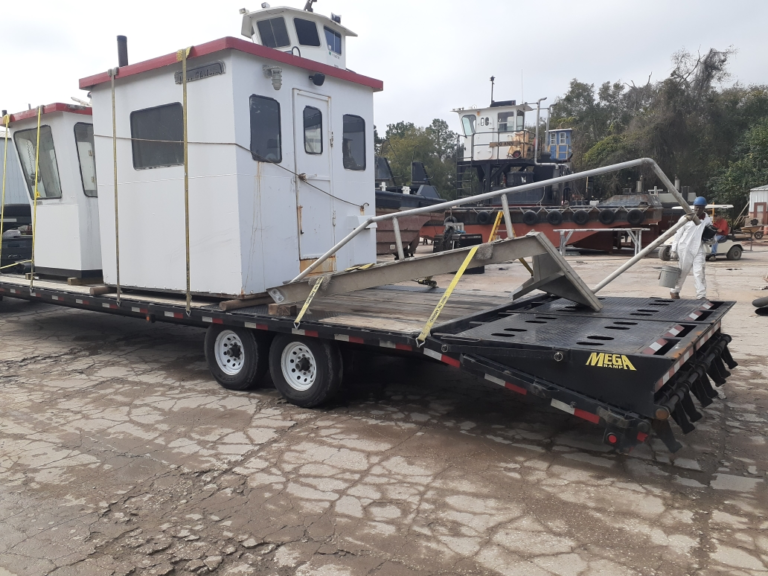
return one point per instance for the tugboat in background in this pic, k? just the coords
(498, 153)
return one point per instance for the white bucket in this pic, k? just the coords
(669, 276)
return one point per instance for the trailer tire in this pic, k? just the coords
(665, 253)
(734, 253)
(580, 217)
(237, 358)
(530, 218)
(306, 371)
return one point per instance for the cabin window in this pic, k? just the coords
(48, 183)
(87, 157)
(265, 130)
(333, 39)
(507, 122)
(306, 30)
(273, 32)
(313, 130)
(468, 122)
(353, 144)
(553, 139)
(158, 135)
(562, 137)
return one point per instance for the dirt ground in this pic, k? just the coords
(119, 454)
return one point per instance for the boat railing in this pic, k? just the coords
(507, 219)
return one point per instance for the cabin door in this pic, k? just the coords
(314, 185)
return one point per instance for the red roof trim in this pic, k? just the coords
(230, 43)
(50, 109)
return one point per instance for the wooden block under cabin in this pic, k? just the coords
(282, 309)
(103, 289)
(84, 281)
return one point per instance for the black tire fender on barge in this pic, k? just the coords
(580, 217)
(530, 218)
(555, 217)
(635, 217)
(607, 216)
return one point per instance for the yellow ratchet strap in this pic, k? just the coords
(37, 195)
(444, 299)
(304, 308)
(6, 120)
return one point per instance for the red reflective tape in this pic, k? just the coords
(594, 418)
(514, 388)
(641, 436)
(450, 361)
(311, 334)
(356, 340)
(217, 321)
(403, 347)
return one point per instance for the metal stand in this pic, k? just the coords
(635, 233)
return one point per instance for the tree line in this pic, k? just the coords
(709, 133)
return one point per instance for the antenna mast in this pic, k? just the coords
(308, 5)
(493, 79)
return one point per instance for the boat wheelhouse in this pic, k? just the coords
(67, 219)
(280, 155)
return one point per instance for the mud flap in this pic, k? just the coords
(664, 431)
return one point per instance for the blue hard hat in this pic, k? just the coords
(700, 201)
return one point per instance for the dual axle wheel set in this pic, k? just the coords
(306, 371)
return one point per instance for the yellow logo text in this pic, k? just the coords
(609, 361)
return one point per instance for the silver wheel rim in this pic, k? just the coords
(229, 353)
(299, 366)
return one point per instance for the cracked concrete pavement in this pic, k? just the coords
(119, 454)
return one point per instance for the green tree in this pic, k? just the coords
(434, 145)
(750, 169)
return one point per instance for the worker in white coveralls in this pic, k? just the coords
(691, 250)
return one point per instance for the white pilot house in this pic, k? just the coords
(280, 156)
(67, 216)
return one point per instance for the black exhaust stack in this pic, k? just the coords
(122, 51)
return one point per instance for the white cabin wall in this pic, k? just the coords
(267, 192)
(353, 188)
(152, 230)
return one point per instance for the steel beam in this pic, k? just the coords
(534, 244)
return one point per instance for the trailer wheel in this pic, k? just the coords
(734, 253)
(306, 371)
(237, 358)
(665, 253)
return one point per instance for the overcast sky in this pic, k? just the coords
(432, 55)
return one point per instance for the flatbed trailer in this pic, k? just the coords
(629, 367)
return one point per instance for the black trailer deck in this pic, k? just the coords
(629, 367)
